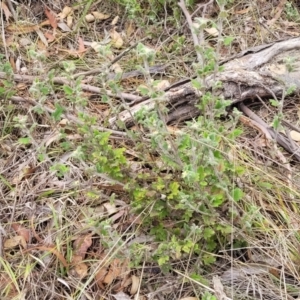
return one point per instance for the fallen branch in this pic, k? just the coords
(63, 80)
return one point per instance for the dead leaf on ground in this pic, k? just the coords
(67, 10)
(6, 11)
(81, 270)
(64, 27)
(121, 296)
(114, 271)
(100, 16)
(81, 47)
(135, 284)
(81, 245)
(15, 242)
(42, 37)
(22, 231)
(49, 36)
(70, 21)
(51, 17)
(295, 135)
(89, 18)
(115, 20)
(100, 275)
(19, 29)
(212, 31)
(117, 41)
(111, 208)
(116, 68)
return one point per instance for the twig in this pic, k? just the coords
(198, 283)
(85, 87)
(17, 99)
(284, 122)
(261, 128)
(279, 138)
(3, 33)
(196, 41)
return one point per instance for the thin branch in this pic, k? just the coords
(85, 87)
(17, 99)
(196, 41)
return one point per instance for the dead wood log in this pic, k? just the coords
(263, 71)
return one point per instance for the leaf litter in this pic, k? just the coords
(63, 233)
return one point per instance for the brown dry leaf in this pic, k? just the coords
(24, 41)
(41, 46)
(89, 18)
(295, 135)
(12, 63)
(64, 27)
(42, 37)
(111, 208)
(82, 244)
(243, 11)
(116, 68)
(114, 271)
(115, 20)
(117, 215)
(117, 41)
(49, 36)
(22, 231)
(135, 284)
(100, 275)
(18, 29)
(81, 270)
(14, 242)
(130, 28)
(65, 12)
(51, 17)
(70, 21)
(6, 11)
(162, 85)
(100, 16)
(212, 31)
(21, 86)
(81, 47)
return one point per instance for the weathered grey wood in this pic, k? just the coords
(263, 71)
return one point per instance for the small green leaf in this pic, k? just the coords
(228, 40)
(68, 90)
(24, 141)
(208, 232)
(59, 110)
(237, 194)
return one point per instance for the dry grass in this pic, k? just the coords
(75, 236)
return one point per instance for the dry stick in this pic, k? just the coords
(3, 34)
(181, 4)
(63, 80)
(256, 125)
(280, 139)
(17, 99)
